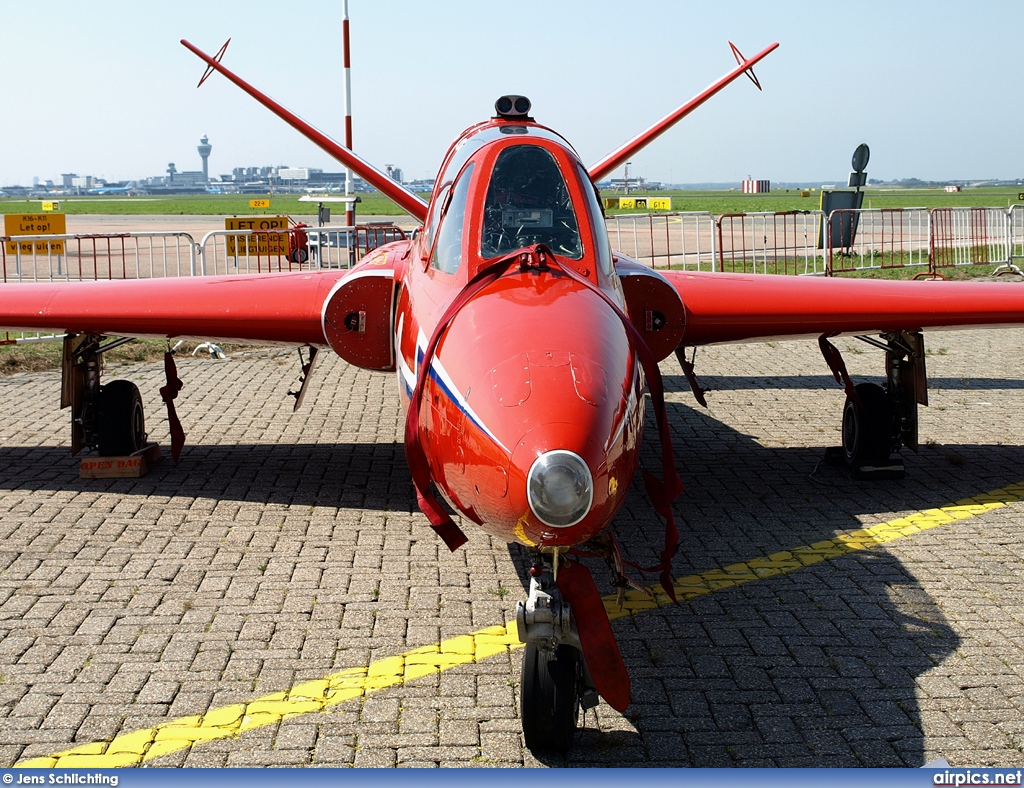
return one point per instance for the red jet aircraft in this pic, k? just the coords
(522, 345)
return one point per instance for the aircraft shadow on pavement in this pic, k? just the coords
(813, 668)
(346, 475)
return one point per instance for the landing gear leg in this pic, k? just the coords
(878, 420)
(555, 682)
(108, 417)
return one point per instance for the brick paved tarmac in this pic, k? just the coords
(286, 547)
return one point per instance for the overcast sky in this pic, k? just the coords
(104, 88)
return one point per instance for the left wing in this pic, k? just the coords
(721, 307)
(283, 308)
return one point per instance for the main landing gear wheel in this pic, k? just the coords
(122, 424)
(550, 696)
(867, 430)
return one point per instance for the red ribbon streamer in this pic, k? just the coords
(168, 394)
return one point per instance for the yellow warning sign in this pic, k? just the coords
(259, 203)
(34, 224)
(51, 205)
(633, 203)
(262, 242)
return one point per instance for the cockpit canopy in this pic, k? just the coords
(507, 185)
(528, 203)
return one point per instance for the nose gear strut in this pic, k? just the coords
(555, 683)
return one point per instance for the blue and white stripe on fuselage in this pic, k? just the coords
(442, 380)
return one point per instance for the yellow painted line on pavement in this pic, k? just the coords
(693, 586)
(132, 749)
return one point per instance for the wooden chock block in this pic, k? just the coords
(132, 466)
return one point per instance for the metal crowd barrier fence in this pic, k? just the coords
(969, 236)
(292, 249)
(782, 242)
(370, 236)
(26, 338)
(255, 251)
(49, 258)
(1016, 227)
(680, 240)
(877, 238)
(146, 255)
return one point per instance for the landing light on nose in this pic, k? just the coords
(560, 488)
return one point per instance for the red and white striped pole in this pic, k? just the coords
(350, 211)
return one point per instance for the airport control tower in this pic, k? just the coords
(204, 150)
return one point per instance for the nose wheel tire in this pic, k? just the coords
(550, 697)
(867, 430)
(121, 424)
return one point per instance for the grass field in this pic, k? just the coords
(717, 202)
(40, 356)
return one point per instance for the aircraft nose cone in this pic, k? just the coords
(564, 482)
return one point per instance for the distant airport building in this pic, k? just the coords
(243, 174)
(422, 185)
(293, 173)
(751, 186)
(636, 184)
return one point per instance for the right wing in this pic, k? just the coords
(722, 307)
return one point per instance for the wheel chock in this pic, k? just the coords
(131, 466)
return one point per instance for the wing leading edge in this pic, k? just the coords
(724, 307)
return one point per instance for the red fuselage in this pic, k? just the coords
(505, 387)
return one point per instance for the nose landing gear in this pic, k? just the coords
(555, 684)
(551, 696)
